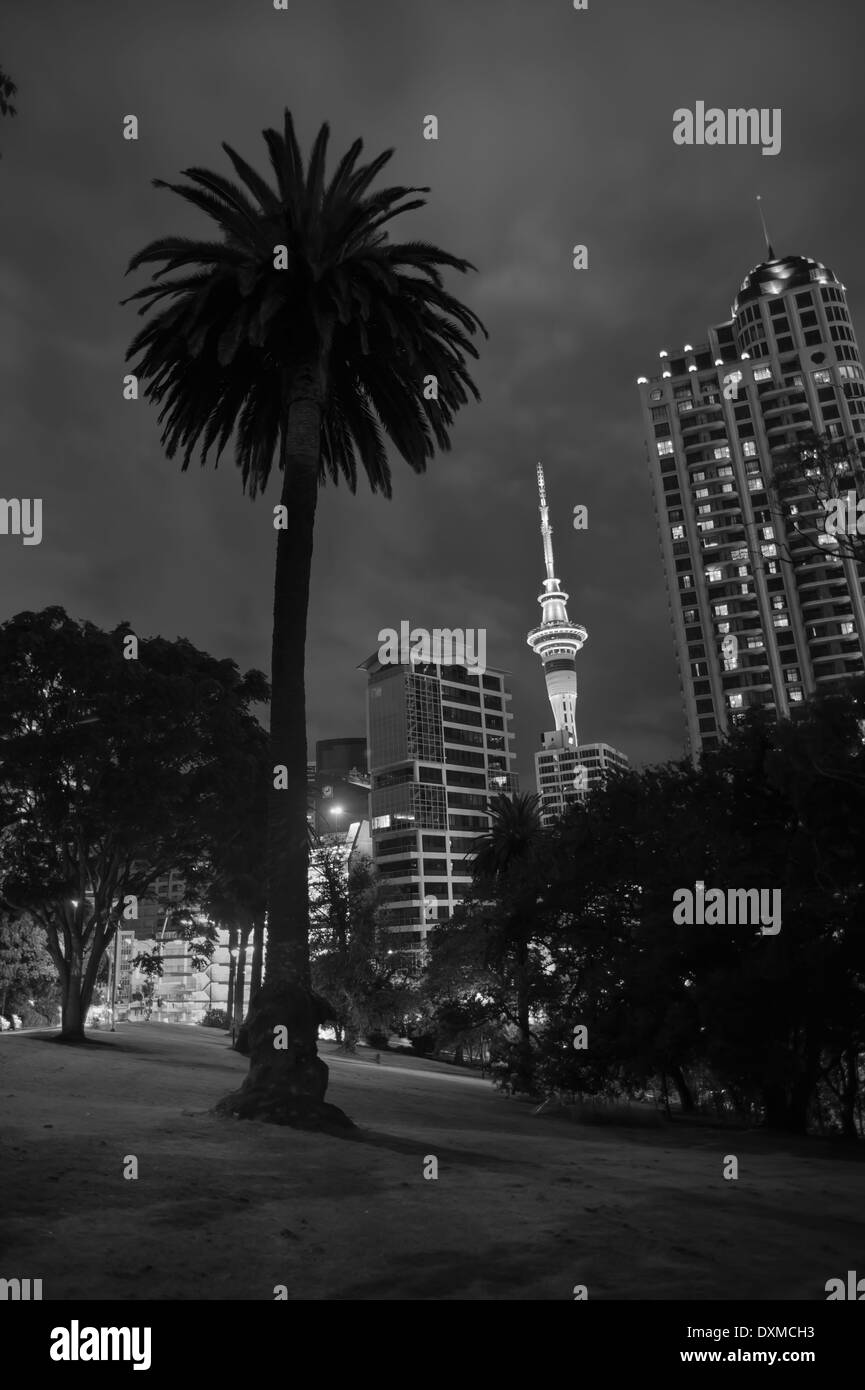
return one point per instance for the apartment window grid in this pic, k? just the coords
(429, 806)
(424, 718)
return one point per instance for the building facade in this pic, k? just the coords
(566, 772)
(439, 746)
(760, 615)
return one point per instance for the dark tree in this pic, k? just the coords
(112, 771)
(504, 863)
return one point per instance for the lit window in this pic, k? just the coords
(825, 540)
(726, 487)
(714, 575)
(781, 620)
(755, 644)
(725, 472)
(791, 674)
(704, 509)
(706, 525)
(847, 629)
(739, 554)
(665, 446)
(736, 700)
(698, 477)
(749, 448)
(762, 374)
(822, 378)
(721, 610)
(755, 484)
(723, 628)
(677, 532)
(723, 452)
(742, 571)
(768, 533)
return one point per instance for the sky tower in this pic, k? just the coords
(565, 771)
(557, 640)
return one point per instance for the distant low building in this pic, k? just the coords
(567, 772)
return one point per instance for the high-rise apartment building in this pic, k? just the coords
(761, 615)
(439, 747)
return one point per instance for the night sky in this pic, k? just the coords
(555, 128)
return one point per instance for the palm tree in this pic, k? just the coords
(505, 860)
(305, 333)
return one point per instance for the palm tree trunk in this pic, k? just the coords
(232, 974)
(240, 981)
(287, 1079)
(257, 957)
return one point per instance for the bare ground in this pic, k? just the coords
(524, 1207)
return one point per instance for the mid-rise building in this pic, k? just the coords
(566, 772)
(760, 615)
(440, 747)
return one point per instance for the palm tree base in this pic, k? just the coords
(287, 1079)
(274, 1107)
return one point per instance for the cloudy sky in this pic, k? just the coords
(555, 128)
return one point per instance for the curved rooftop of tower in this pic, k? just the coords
(779, 274)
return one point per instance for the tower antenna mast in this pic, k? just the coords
(769, 247)
(546, 528)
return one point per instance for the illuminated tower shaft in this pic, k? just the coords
(557, 640)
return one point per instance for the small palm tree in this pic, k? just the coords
(512, 838)
(506, 859)
(308, 335)
(7, 90)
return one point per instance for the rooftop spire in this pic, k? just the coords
(546, 528)
(769, 248)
